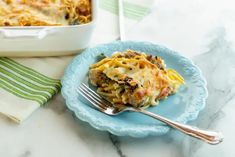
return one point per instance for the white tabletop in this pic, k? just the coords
(203, 30)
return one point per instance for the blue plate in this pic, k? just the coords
(184, 106)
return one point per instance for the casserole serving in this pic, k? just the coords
(45, 27)
(133, 78)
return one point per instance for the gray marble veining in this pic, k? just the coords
(117, 144)
(218, 66)
(27, 153)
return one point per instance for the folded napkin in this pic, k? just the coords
(28, 83)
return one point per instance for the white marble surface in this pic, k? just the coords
(203, 30)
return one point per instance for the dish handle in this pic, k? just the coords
(28, 33)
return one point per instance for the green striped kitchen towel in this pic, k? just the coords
(28, 83)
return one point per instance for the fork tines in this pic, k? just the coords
(91, 96)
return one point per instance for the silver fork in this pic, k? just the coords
(101, 104)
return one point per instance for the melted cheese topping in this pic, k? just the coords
(44, 12)
(133, 78)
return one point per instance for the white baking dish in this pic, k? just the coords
(48, 40)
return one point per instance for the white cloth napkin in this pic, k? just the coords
(28, 83)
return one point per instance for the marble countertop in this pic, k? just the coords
(203, 30)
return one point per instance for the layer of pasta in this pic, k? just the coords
(134, 78)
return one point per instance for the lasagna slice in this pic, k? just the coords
(134, 78)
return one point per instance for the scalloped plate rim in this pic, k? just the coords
(161, 130)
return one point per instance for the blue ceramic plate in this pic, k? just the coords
(184, 106)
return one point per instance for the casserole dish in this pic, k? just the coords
(46, 40)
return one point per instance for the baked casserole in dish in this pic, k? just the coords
(44, 12)
(45, 27)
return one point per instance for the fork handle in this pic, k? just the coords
(210, 137)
